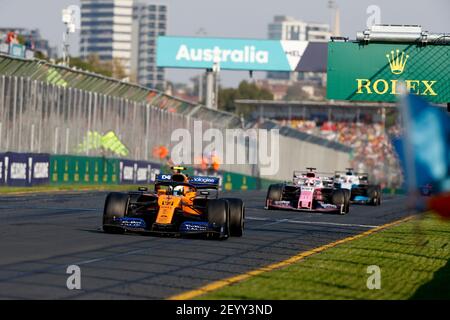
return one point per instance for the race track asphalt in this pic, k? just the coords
(42, 234)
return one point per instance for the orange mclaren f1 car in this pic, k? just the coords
(178, 205)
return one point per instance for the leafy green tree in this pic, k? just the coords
(295, 93)
(112, 68)
(226, 99)
(245, 90)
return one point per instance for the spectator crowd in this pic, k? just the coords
(372, 150)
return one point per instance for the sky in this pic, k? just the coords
(237, 19)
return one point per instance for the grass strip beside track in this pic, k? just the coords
(414, 258)
(62, 188)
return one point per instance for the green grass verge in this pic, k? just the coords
(413, 257)
(73, 187)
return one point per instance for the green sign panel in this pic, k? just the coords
(373, 72)
(83, 170)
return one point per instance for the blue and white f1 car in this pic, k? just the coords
(358, 184)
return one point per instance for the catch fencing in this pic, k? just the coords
(51, 109)
(40, 117)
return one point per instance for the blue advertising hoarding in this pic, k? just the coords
(40, 168)
(16, 169)
(138, 172)
(230, 54)
(2, 169)
(24, 169)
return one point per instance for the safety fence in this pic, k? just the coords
(60, 76)
(39, 117)
(55, 110)
(33, 169)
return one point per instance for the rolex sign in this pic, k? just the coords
(373, 72)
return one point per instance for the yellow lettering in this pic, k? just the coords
(428, 88)
(394, 86)
(411, 86)
(382, 86)
(376, 89)
(361, 86)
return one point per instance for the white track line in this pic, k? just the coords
(311, 222)
(270, 221)
(49, 208)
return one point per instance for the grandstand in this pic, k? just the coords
(364, 127)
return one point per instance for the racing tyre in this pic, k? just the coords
(274, 193)
(218, 217)
(237, 215)
(116, 205)
(374, 194)
(339, 198)
(347, 194)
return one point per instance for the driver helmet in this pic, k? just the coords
(178, 191)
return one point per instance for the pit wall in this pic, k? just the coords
(32, 169)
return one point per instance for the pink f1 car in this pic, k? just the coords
(309, 191)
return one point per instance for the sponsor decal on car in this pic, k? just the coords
(282, 203)
(324, 205)
(131, 222)
(361, 198)
(164, 177)
(204, 180)
(194, 226)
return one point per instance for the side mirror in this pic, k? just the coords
(143, 189)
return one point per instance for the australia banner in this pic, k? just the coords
(241, 54)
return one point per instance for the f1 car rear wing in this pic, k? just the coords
(326, 178)
(360, 175)
(163, 178)
(204, 182)
(311, 174)
(196, 181)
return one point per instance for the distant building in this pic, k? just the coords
(106, 30)
(278, 89)
(32, 40)
(288, 28)
(149, 22)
